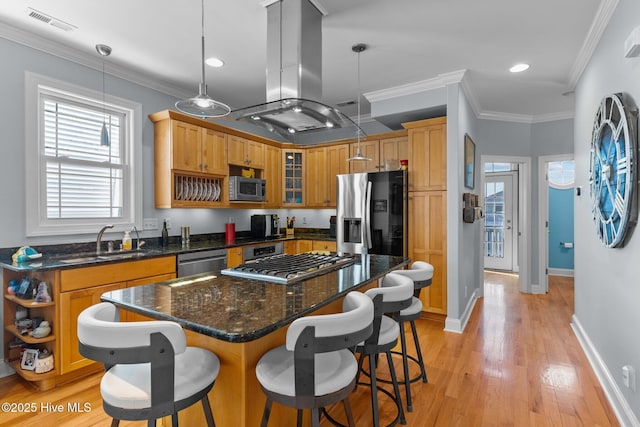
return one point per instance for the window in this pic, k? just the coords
(499, 167)
(561, 174)
(75, 184)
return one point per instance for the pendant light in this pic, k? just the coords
(104, 51)
(202, 105)
(359, 48)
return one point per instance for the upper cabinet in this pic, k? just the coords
(293, 164)
(427, 154)
(190, 164)
(385, 154)
(323, 164)
(273, 176)
(196, 149)
(245, 152)
(370, 149)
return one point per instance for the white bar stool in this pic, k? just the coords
(315, 368)
(393, 295)
(421, 273)
(150, 371)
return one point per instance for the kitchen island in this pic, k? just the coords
(241, 319)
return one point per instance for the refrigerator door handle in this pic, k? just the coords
(366, 229)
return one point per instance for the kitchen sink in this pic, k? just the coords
(106, 256)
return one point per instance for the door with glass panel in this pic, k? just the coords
(498, 221)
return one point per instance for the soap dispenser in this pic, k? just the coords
(126, 241)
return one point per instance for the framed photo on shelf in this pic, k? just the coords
(29, 359)
(469, 162)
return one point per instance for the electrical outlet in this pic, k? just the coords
(629, 377)
(168, 221)
(150, 224)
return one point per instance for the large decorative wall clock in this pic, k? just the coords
(613, 170)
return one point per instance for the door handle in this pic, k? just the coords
(509, 227)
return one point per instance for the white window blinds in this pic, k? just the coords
(83, 178)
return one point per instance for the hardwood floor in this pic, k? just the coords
(517, 363)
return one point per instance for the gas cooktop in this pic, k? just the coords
(289, 268)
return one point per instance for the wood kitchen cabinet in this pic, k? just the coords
(392, 149)
(234, 257)
(82, 287)
(427, 154)
(290, 247)
(190, 165)
(197, 149)
(370, 149)
(316, 177)
(273, 176)
(293, 178)
(323, 245)
(323, 164)
(428, 242)
(245, 152)
(304, 246)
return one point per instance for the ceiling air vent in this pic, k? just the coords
(43, 17)
(39, 16)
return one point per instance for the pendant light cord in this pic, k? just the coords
(203, 89)
(359, 51)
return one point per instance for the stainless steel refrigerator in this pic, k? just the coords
(372, 213)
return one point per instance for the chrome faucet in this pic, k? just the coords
(139, 242)
(99, 239)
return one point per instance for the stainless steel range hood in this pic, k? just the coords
(294, 79)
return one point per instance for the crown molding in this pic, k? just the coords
(598, 26)
(412, 88)
(524, 118)
(88, 60)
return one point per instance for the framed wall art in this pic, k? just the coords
(469, 162)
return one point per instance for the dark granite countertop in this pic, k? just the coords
(240, 310)
(83, 254)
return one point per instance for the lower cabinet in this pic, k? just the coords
(234, 257)
(71, 305)
(428, 242)
(323, 245)
(82, 287)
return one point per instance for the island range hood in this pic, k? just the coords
(294, 79)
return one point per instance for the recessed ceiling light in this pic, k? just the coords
(214, 62)
(518, 68)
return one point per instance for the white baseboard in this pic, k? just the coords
(537, 289)
(5, 369)
(620, 406)
(458, 325)
(567, 272)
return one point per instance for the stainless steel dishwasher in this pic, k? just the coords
(202, 262)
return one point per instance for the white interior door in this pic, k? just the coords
(498, 221)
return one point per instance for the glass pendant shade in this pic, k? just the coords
(202, 105)
(105, 141)
(104, 136)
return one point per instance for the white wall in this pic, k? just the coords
(607, 287)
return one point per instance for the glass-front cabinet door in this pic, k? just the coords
(293, 178)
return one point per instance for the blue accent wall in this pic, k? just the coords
(560, 227)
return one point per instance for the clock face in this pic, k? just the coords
(612, 171)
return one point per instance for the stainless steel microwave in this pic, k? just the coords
(246, 189)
